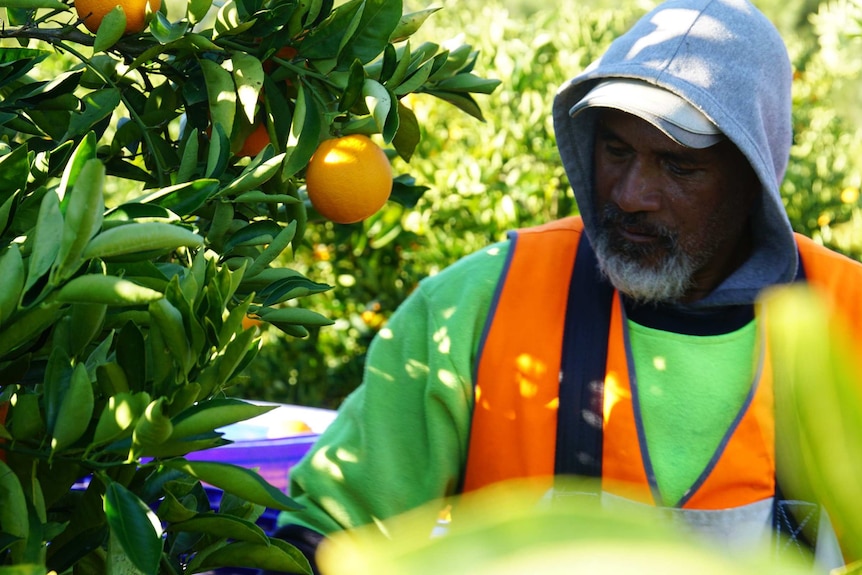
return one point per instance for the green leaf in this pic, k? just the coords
(278, 244)
(378, 20)
(166, 31)
(293, 315)
(410, 23)
(84, 215)
(189, 157)
(13, 510)
(377, 99)
(257, 196)
(253, 177)
(406, 192)
(34, 4)
(119, 416)
(19, 16)
(134, 526)
(468, 83)
(183, 199)
(213, 414)
(14, 170)
(353, 89)
(7, 209)
(305, 133)
(75, 410)
(110, 30)
(28, 326)
(179, 448)
(229, 22)
(388, 64)
(461, 57)
(16, 62)
(222, 95)
(58, 375)
(219, 151)
(217, 374)
(131, 355)
(248, 77)
(197, 10)
(254, 234)
(238, 481)
(222, 526)
(46, 239)
(462, 101)
(289, 288)
(415, 80)
(326, 40)
(98, 105)
(12, 273)
(83, 153)
(279, 556)
(408, 135)
(104, 289)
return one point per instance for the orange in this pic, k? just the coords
(254, 142)
(293, 427)
(137, 14)
(348, 178)
(249, 322)
(284, 53)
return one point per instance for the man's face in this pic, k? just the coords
(673, 221)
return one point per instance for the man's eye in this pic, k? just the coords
(616, 151)
(679, 169)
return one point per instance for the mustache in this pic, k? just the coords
(612, 218)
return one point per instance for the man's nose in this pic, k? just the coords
(638, 189)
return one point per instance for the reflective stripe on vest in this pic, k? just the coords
(517, 380)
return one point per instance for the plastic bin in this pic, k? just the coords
(271, 443)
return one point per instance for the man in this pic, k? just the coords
(623, 345)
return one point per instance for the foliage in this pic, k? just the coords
(821, 190)
(121, 322)
(820, 407)
(501, 530)
(512, 176)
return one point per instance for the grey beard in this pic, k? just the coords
(636, 272)
(669, 283)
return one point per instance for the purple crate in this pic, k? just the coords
(271, 443)
(271, 458)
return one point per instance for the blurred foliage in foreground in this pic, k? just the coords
(487, 178)
(501, 531)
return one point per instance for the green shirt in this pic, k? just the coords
(690, 390)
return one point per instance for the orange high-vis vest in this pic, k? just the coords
(514, 423)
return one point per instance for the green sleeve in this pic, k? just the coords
(400, 440)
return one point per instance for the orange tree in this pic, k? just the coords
(139, 231)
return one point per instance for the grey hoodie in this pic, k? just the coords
(728, 60)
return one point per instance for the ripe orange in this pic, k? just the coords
(254, 142)
(93, 11)
(285, 53)
(293, 427)
(348, 178)
(249, 322)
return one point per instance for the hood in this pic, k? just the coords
(726, 59)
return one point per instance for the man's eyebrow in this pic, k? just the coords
(606, 132)
(683, 157)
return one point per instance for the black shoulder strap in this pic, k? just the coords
(582, 372)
